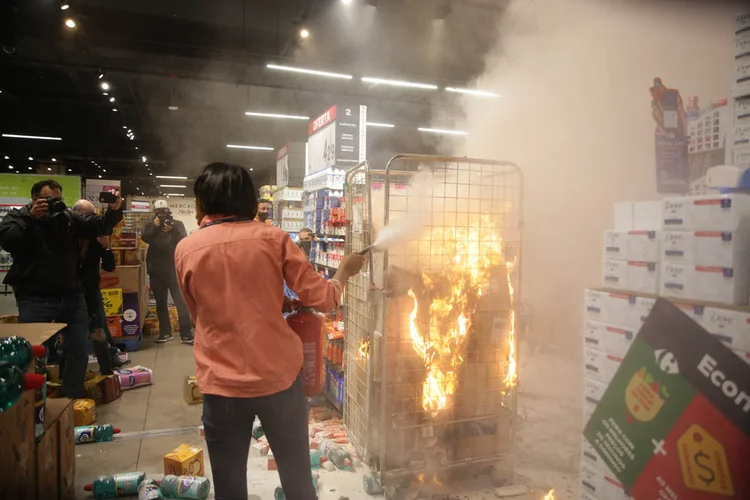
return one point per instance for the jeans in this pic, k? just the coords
(228, 424)
(101, 338)
(69, 309)
(162, 286)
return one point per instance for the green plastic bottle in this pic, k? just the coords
(18, 351)
(149, 490)
(117, 485)
(13, 382)
(190, 487)
(95, 433)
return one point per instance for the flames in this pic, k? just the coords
(364, 348)
(550, 495)
(444, 306)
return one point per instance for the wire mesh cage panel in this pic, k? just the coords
(443, 303)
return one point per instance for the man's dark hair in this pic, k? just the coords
(224, 189)
(36, 189)
(305, 230)
(264, 200)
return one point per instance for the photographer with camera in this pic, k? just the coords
(43, 239)
(162, 236)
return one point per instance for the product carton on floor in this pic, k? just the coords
(185, 460)
(191, 393)
(84, 412)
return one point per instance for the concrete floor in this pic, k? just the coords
(548, 445)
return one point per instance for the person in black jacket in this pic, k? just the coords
(43, 240)
(162, 236)
(96, 253)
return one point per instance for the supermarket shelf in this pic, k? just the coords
(332, 400)
(322, 266)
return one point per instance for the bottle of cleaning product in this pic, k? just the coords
(193, 488)
(258, 431)
(117, 485)
(149, 490)
(13, 382)
(94, 433)
(337, 455)
(18, 351)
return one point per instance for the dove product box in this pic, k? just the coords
(623, 215)
(693, 311)
(641, 309)
(610, 339)
(725, 212)
(603, 485)
(642, 277)
(593, 390)
(643, 246)
(615, 244)
(590, 456)
(723, 285)
(732, 327)
(596, 305)
(707, 248)
(677, 247)
(615, 274)
(676, 213)
(677, 280)
(647, 216)
(600, 366)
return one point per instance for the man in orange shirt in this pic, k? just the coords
(248, 360)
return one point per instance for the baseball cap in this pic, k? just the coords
(160, 204)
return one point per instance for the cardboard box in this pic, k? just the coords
(593, 390)
(610, 339)
(47, 463)
(729, 325)
(114, 324)
(600, 366)
(615, 244)
(9, 318)
(623, 215)
(191, 393)
(103, 389)
(676, 213)
(131, 315)
(59, 444)
(84, 412)
(602, 485)
(678, 281)
(643, 246)
(185, 460)
(642, 277)
(112, 299)
(595, 305)
(35, 333)
(647, 216)
(130, 279)
(615, 274)
(707, 248)
(18, 457)
(705, 283)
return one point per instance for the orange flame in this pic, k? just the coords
(550, 495)
(364, 348)
(469, 254)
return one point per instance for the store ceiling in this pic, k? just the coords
(208, 58)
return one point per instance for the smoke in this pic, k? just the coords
(575, 115)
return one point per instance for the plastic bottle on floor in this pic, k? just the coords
(116, 485)
(335, 454)
(278, 493)
(13, 382)
(94, 433)
(149, 490)
(189, 487)
(18, 351)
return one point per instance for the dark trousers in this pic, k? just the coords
(101, 338)
(69, 309)
(228, 424)
(162, 285)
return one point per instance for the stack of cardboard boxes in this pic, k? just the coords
(698, 249)
(126, 286)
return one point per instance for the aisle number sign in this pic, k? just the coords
(112, 298)
(674, 422)
(337, 138)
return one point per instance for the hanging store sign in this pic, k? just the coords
(338, 137)
(282, 167)
(674, 423)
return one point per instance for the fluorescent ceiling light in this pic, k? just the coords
(239, 146)
(309, 71)
(7, 157)
(398, 83)
(40, 137)
(442, 131)
(376, 124)
(173, 108)
(172, 186)
(174, 194)
(31, 158)
(70, 23)
(111, 99)
(144, 159)
(171, 177)
(54, 159)
(276, 115)
(480, 93)
(105, 86)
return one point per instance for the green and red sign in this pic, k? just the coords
(674, 423)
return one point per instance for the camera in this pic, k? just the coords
(107, 197)
(165, 218)
(55, 205)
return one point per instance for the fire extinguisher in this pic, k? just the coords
(309, 327)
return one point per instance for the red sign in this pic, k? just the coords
(321, 121)
(282, 152)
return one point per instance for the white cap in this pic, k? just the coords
(160, 204)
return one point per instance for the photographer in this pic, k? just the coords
(162, 237)
(43, 239)
(96, 253)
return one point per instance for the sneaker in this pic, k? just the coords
(164, 337)
(187, 339)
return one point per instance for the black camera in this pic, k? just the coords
(107, 197)
(55, 205)
(165, 218)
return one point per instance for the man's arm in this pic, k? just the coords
(109, 263)
(149, 233)
(91, 226)
(16, 232)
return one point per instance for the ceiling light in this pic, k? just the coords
(173, 108)
(64, 5)
(442, 131)
(70, 23)
(144, 159)
(114, 109)
(124, 126)
(100, 176)
(31, 158)
(151, 173)
(70, 170)
(398, 83)
(49, 169)
(251, 169)
(175, 194)
(171, 177)
(172, 186)
(10, 167)
(7, 157)
(239, 146)
(101, 74)
(40, 137)
(347, 2)
(480, 93)
(31, 168)
(111, 99)
(105, 93)
(376, 124)
(104, 170)
(54, 159)
(105, 86)
(276, 115)
(304, 33)
(309, 71)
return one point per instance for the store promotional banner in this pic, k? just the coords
(338, 137)
(670, 140)
(674, 422)
(96, 186)
(15, 189)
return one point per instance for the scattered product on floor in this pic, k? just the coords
(191, 392)
(278, 493)
(95, 433)
(149, 490)
(116, 485)
(103, 389)
(136, 376)
(189, 487)
(185, 460)
(84, 412)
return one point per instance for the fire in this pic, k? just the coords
(364, 348)
(442, 314)
(512, 376)
(550, 495)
